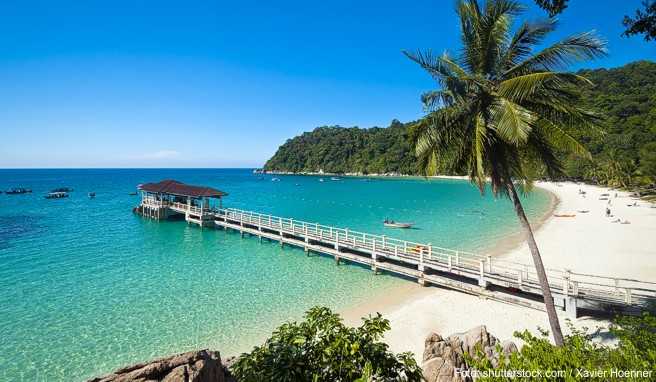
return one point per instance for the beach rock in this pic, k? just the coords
(194, 366)
(444, 357)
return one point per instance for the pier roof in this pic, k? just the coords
(173, 187)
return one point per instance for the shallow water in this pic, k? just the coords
(86, 286)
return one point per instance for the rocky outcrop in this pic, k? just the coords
(194, 366)
(443, 357)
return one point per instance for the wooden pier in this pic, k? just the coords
(467, 272)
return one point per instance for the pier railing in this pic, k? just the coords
(485, 268)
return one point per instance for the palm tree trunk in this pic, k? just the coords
(539, 267)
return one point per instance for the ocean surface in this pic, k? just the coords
(86, 286)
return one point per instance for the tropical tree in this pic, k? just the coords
(504, 112)
(644, 21)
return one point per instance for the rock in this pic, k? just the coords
(444, 357)
(194, 366)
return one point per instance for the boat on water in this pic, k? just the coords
(394, 224)
(335, 178)
(92, 195)
(57, 195)
(62, 189)
(275, 179)
(18, 190)
(132, 193)
(321, 180)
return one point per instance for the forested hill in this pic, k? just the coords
(625, 154)
(336, 149)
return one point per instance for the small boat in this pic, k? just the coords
(583, 211)
(393, 224)
(321, 180)
(62, 189)
(18, 190)
(92, 195)
(132, 193)
(335, 178)
(564, 215)
(275, 179)
(57, 195)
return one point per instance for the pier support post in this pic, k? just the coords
(337, 260)
(481, 275)
(374, 258)
(570, 307)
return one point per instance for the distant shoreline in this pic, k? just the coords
(360, 175)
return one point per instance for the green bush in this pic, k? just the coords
(581, 358)
(322, 348)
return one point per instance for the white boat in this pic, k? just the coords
(393, 224)
(275, 180)
(321, 180)
(335, 178)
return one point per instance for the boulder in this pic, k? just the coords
(444, 357)
(194, 366)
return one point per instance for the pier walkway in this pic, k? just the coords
(468, 272)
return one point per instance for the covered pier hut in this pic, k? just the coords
(169, 197)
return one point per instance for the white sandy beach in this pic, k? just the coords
(587, 243)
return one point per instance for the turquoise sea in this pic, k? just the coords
(86, 286)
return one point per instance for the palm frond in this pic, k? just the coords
(580, 47)
(525, 38)
(511, 122)
(525, 86)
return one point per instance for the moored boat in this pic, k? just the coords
(62, 189)
(393, 224)
(18, 190)
(92, 195)
(57, 195)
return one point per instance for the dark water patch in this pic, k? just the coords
(13, 227)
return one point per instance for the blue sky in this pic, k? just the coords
(223, 84)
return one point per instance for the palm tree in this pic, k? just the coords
(504, 112)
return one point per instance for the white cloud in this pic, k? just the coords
(162, 154)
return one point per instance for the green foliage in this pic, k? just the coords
(336, 149)
(644, 21)
(322, 348)
(554, 7)
(625, 154)
(580, 358)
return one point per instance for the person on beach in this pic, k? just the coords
(607, 212)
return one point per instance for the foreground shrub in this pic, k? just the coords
(322, 348)
(632, 358)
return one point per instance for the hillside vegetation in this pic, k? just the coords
(624, 154)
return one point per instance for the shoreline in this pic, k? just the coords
(397, 297)
(588, 242)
